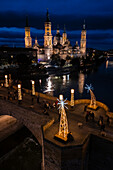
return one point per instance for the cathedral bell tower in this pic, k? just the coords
(83, 41)
(64, 36)
(28, 39)
(48, 35)
(48, 38)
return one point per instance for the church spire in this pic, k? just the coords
(47, 16)
(64, 29)
(58, 31)
(27, 25)
(84, 25)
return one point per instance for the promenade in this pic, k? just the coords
(75, 117)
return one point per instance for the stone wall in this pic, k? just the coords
(65, 158)
(52, 156)
(95, 153)
(25, 116)
(100, 153)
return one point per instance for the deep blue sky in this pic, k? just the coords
(97, 13)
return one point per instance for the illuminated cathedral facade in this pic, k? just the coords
(58, 45)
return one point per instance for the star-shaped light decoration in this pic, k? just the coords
(62, 104)
(88, 87)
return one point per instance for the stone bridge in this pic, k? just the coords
(32, 120)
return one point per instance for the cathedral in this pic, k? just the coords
(58, 45)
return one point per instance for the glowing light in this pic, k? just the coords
(107, 62)
(64, 79)
(6, 81)
(72, 98)
(19, 92)
(92, 105)
(63, 128)
(33, 82)
(6, 76)
(68, 77)
(72, 90)
(88, 87)
(61, 102)
(56, 77)
(40, 81)
(19, 86)
(33, 87)
(60, 97)
(49, 87)
(81, 82)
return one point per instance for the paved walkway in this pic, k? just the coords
(75, 116)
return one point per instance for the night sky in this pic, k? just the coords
(98, 15)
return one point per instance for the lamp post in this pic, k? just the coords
(19, 93)
(33, 91)
(6, 81)
(72, 98)
(33, 87)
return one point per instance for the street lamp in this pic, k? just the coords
(6, 81)
(72, 98)
(19, 93)
(33, 87)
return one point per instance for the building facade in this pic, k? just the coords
(60, 46)
(83, 41)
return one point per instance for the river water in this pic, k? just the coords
(101, 80)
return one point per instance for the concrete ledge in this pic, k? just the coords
(79, 101)
(87, 101)
(48, 124)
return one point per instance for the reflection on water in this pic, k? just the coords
(101, 78)
(64, 80)
(49, 87)
(81, 82)
(40, 81)
(68, 77)
(107, 62)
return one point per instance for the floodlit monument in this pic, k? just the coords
(92, 104)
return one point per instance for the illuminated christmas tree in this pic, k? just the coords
(92, 104)
(63, 127)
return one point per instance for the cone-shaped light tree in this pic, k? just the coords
(63, 127)
(92, 104)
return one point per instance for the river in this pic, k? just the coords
(100, 78)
